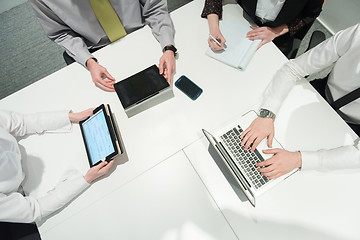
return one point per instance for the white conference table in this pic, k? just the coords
(155, 141)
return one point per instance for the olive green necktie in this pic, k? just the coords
(108, 19)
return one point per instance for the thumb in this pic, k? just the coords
(101, 165)
(272, 151)
(270, 140)
(161, 67)
(108, 75)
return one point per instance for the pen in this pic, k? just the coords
(214, 39)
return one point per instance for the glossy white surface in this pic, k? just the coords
(161, 133)
(168, 201)
(307, 205)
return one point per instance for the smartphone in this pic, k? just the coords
(188, 87)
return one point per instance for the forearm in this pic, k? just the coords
(74, 45)
(281, 30)
(14, 207)
(311, 11)
(71, 185)
(212, 7)
(345, 157)
(60, 33)
(213, 22)
(20, 124)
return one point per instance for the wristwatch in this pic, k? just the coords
(170, 47)
(264, 113)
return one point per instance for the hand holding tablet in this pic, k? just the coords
(101, 136)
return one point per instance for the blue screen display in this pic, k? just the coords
(98, 137)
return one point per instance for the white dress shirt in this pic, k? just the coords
(14, 207)
(343, 49)
(74, 26)
(268, 10)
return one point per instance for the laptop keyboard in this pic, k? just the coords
(245, 159)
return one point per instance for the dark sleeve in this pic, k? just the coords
(307, 16)
(212, 6)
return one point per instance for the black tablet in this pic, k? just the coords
(140, 86)
(100, 136)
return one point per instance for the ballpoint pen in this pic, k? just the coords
(214, 39)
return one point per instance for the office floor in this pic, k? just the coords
(27, 55)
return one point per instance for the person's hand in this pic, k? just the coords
(100, 76)
(98, 171)
(167, 65)
(281, 163)
(214, 30)
(259, 129)
(220, 38)
(77, 117)
(266, 34)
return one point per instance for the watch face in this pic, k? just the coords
(264, 113)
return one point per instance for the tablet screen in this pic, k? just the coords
(140, 86)
(97, 137)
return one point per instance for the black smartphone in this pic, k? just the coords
(188, 87)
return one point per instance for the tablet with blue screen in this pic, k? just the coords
(100, 136)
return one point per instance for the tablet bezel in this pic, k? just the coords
(111, 130)
(121, 85)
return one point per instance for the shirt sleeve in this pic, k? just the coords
(20, 124)
(14, 207)
(311, 11)
(156, 14)
(60, 33)
(212, 7)
(316, 59)
(345, 157)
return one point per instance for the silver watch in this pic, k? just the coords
(264, 113)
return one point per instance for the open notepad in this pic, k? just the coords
(239, 50)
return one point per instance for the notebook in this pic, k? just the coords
(241, 163)
(239, 50)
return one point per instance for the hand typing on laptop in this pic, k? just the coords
(282, 162)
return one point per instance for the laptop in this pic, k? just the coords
(241, 163)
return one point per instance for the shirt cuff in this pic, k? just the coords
(310, 160)
(82, 57)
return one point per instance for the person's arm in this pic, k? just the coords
(20, 124)
(213, 12)
(60, 33)
(73, 43)
(307, 16)
(157, 16)
(311, 11)
(345, 157)
(316, 59)
(14, 207)
(266, 34)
